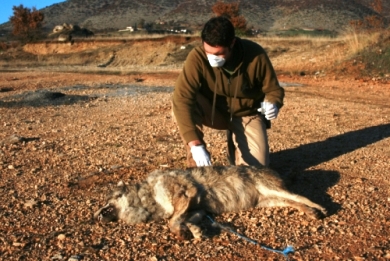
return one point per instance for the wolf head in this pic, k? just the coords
(123, 203)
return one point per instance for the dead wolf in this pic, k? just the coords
(185, 196)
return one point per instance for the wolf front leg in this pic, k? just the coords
(181, 202)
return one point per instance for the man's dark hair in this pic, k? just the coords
(218, 31)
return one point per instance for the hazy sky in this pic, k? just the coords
(6, 6)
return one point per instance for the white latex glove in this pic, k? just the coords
(269, 110)
(200, 156)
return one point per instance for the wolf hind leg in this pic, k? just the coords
(195, 230)
(195, 216)
(192, 221)
(314, 211)
(309, 203)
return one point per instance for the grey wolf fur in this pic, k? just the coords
(185, 196)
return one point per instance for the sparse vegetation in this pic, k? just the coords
(376, 56)
(306, 32)
(373, 22)
(232, 11)
(4, 46)
(27, 23)
(357, 41)
(296, 55)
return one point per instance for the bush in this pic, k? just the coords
(4, 46)
(377, 56)
(27, 23)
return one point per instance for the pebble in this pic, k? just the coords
(61, 237)
(114, 167)
(30, 203)
(75, 258)
(57, 257)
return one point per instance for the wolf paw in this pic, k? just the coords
(181, 232)
(195, 230)
(316, 213)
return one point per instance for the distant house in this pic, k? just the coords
(128, 29)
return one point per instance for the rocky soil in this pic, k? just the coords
(67, 138)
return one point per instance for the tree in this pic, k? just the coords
(377, 6)
(232, 11)
(27, 23)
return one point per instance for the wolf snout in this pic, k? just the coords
(106, 214)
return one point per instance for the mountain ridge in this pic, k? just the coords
(266, 15)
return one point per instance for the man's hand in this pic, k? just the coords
(200, 156)
(269, 110)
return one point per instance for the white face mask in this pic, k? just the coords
(216, 61)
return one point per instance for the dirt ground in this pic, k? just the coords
(68, 137)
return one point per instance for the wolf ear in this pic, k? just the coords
(121, 184)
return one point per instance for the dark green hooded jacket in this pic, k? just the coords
(235, 90)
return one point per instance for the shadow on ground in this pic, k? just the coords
(313, 184)
(56, 97)
(42, 98)
(309, 155)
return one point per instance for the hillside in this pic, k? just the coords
(265, 15)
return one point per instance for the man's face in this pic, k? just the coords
(223, 52)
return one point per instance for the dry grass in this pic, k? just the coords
(358, 41)
(302, 55)
(316, 55)
(138, 35)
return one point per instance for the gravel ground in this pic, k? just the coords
(67, 138)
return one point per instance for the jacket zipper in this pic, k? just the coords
(230, 97)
